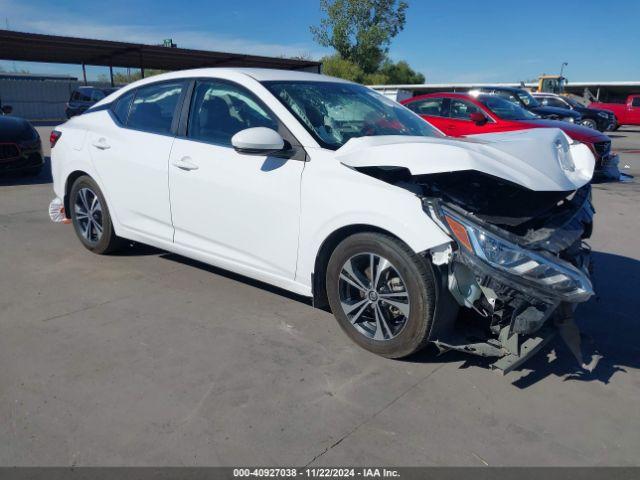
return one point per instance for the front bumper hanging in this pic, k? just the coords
(507, 316)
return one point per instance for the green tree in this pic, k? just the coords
(389, 72)
(400, 73)
(360, 30)
(336, 66)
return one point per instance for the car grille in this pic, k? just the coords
(9, 151)
(602, 148)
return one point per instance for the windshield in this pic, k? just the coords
(527, 99)
(574, 103)
(336, 112)
(505, 109)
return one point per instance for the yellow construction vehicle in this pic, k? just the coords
(551, 84)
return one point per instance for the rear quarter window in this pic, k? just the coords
(121, 107)
(431, 106)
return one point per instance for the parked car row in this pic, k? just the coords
(525, 100)
(594, 118)
(474, 113)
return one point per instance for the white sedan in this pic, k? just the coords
(328, 189)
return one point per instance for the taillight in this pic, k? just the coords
(54, 137)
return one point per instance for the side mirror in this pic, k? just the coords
(257, 141)
(478, 118)
(7, 109)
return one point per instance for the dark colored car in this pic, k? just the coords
(20, 147)
(460, 114)
(524, 99)
(84, 97)
(595, 118)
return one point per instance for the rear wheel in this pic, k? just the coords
(90, 217)
(381, 293)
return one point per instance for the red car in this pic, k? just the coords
(627, 113)
(460, 114)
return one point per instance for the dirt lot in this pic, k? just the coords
(147, 358)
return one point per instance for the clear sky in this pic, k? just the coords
(457, 41)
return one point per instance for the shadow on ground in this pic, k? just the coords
(608, 322)
(238, 278)
(13, 179)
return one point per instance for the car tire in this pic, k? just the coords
(401, 274)
(589, 123)
(90, 217)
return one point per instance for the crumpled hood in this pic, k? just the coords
(540, 159)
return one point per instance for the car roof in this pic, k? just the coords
(259, 74)
(272, 74)
(505, 89)
(439, 94)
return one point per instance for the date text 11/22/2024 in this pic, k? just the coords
(315, 472)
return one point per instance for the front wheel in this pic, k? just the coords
(90, 217)
(589, 123)
(381, 293)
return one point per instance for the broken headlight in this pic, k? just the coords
(549, 273)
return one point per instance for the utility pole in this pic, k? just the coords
(564, 64)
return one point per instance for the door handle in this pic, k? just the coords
(185, 163)
(101, 144)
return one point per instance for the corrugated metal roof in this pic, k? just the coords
(33, 47)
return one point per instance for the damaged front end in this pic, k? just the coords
(517, 269)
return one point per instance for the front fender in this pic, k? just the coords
(339, 197)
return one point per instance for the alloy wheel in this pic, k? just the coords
(374, 296)
(88, 214)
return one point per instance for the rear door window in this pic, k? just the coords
(461, 110)
(553, 102)
(430, 106)
(154, 107)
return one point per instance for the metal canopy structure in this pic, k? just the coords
(34, 47)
